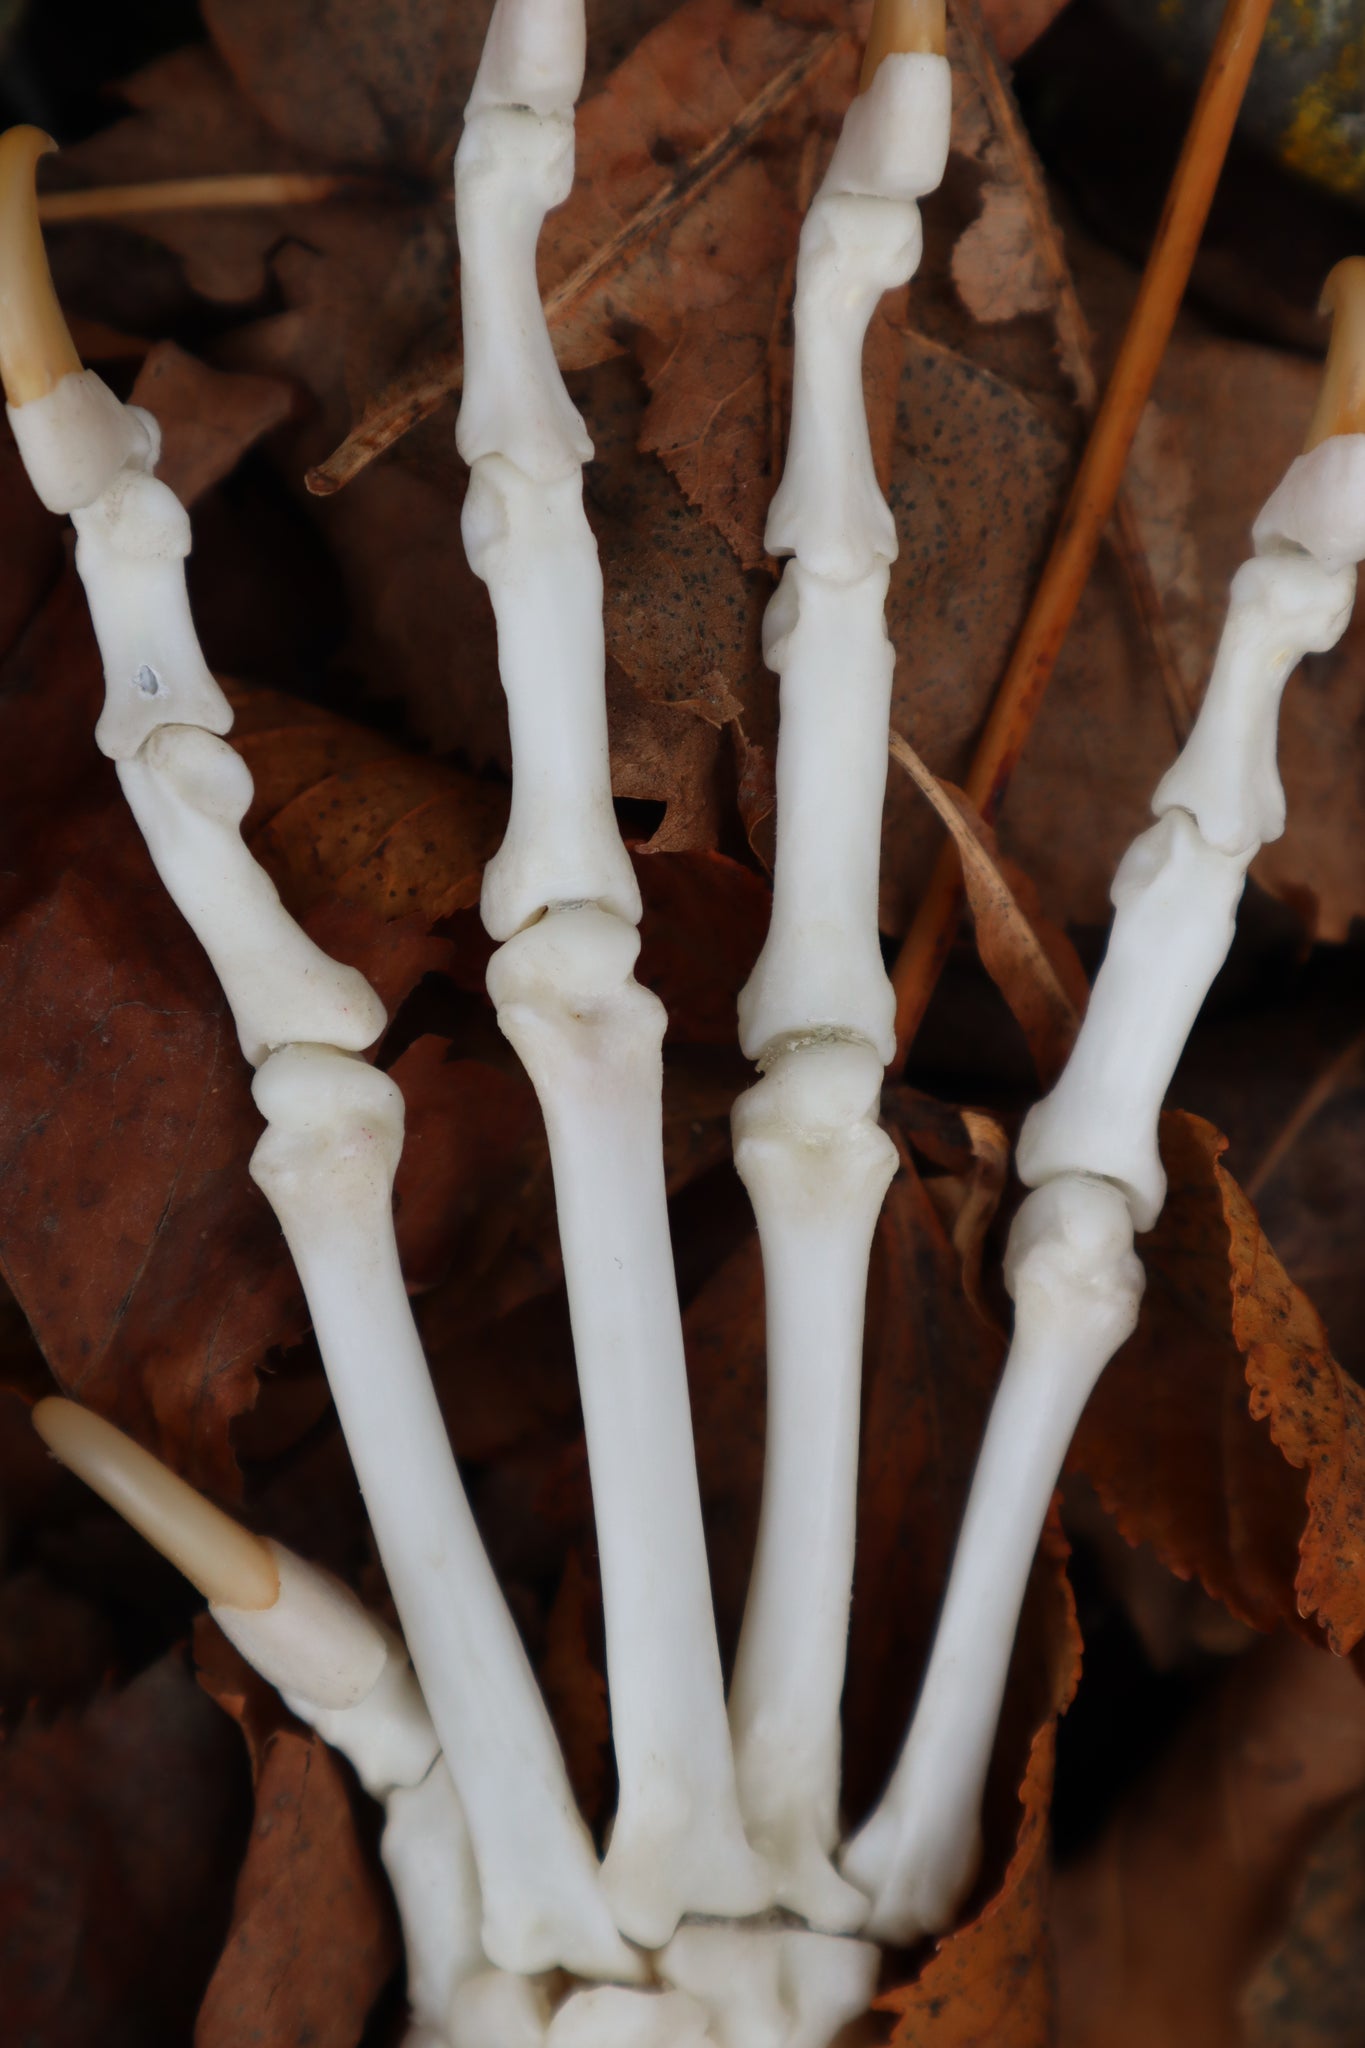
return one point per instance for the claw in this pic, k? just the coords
(901, 27)
(1341, 401)
(230, 1566)
(36, 349)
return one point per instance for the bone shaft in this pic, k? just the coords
(473, 1670)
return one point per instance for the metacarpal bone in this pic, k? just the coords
(828, 508)
(326, 1164)
(533, 56)
(1077, 1285)
(532, 545)
(511, 167)
(1175, 900)
(821, 967)
(388, 1736)
(817, 1167)
(189, 792)
(425, 1849)
(894, 141)
(590, 1038)
(1319, 504)
(1282, 607)
(131, 546)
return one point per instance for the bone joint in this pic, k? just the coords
(327, 1161)
(1089, 1150)
(562, 894)
(818, 1013)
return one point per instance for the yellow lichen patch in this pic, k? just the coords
(1322, 139)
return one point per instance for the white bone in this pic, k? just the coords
(1319, 505)
(817, 1168)
(894, 141)
(388, 1736)
(1175, 900)
(590, 1038)
(130, 551)
(511, 167)
(1076, 1284)
(497, 2010)
(532, 545)
(821, 966)
(1282, 607)
(610, 2018)
(76, 438)
(189, 792)
(533, 56)
(768, 1987)
(326, 1165)
(829, 509)
(317, 1641)
(426, 1851)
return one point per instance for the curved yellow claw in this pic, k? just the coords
(903, 26)
(229, 1565)
(1341, 400)
(36, 350)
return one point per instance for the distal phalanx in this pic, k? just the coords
(723, 1910)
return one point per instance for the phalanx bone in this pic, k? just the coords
(562, 895)
(327, 1160)
(1089, 1151)
(818, 1013)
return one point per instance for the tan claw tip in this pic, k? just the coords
(36, 350)
(903, 26)
(230, 1566)
(1341, 399)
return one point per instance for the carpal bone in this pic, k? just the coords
(494, 2009)
(1076, 1284)
(768, 1987)
(828, 509)
(821, 966)
(426, 1851)
(1282, 607)
(894, 141)
(531, 544)
(817, 1167)
(1175, 900)
(590, 1037)
(75, 439)
(511, 167)
(131, 545)
(1319, 504)
(610, 2018)
(189, 792)
(533, 56)
(317, 1641)
(326, 1165)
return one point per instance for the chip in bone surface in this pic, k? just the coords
(76, 438)
(531, 544)
(1175, 900)
(189, 791)
(894, 141)
(534, 56)
(130, 550)
(511, 167)
(1227, 776)
(821, 967)
(1319, 504)
(828, 509)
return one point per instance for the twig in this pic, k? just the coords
(1315, 1097)
(1093, 492)
(412, 397)
(193, 195)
